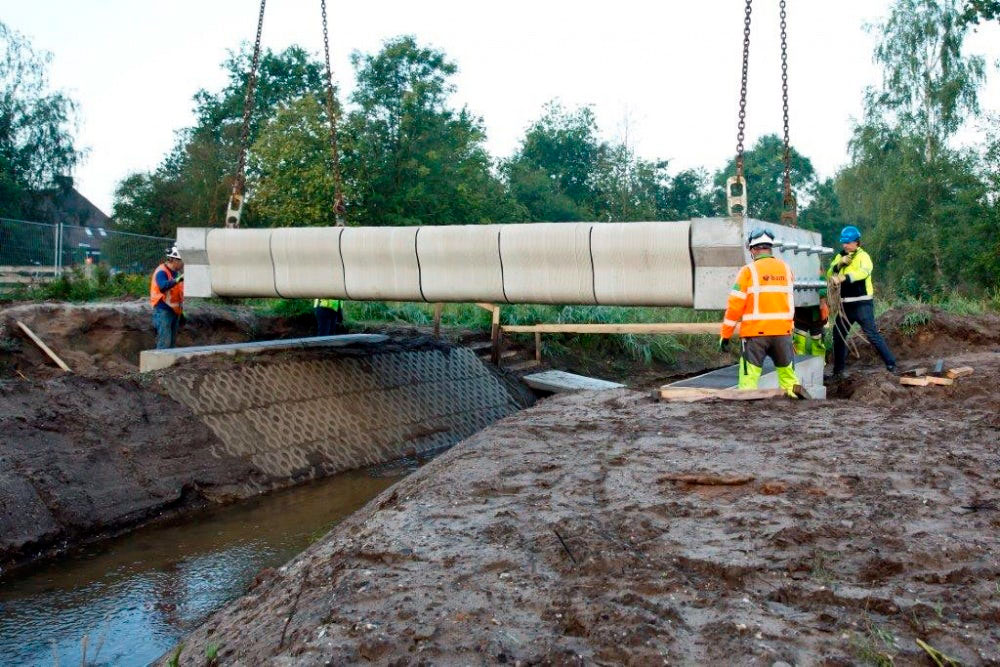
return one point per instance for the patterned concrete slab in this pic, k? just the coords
(324, 414)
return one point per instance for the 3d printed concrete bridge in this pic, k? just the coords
(689, 263)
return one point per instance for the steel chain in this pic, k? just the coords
(741, 126)
(331, 113)
(239, 179)
(789, 213)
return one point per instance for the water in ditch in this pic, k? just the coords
(134, 597)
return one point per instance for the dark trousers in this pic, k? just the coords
(328, 321)
(862, 312)
(165, 322)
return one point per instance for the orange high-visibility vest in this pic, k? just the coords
(763, 299)
(173, 297)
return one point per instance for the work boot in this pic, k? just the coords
(836, 376)
(892, 369)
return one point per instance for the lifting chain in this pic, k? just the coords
(235, 208)
(736, 186)
(789, 213)
(331, 113)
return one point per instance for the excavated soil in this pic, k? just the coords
(606, 528)
(82, 459)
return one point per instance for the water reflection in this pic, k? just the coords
(135, 596)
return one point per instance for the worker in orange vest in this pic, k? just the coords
(166, 295)
(762, 303)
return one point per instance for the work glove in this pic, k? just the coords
(723, 343)
(179, 278)
(839, 278)
(846, 259)
(824, 312)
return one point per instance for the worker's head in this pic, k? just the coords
(850, 238)
(759, 242)
(173, 258)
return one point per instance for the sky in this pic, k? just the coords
(667, 73)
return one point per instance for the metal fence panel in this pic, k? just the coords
(32, 251)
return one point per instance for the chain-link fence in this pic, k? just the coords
(39, 251)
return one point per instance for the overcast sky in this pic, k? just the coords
(671, 68)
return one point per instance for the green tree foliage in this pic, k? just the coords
(409, 158)
(191, 186)
(564, 171)
(976, 10)
(36, 143)
(923, 205)
(293, 176)
(764, 168)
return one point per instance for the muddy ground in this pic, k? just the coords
(605, 528)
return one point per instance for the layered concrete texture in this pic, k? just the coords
(306, 414)
(680, 263)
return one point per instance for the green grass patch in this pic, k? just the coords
(75, 285)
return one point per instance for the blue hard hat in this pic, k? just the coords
(849, 234)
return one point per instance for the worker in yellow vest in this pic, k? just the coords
(762, 303)
(329, 316)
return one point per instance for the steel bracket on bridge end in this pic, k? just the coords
(736, 196)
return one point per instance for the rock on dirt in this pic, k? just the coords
(566, 534)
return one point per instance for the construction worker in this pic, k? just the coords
(166, 295)
(808, 325)
(851, 270)
(329, 316)
(762, 302)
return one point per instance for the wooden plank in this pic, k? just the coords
(915, 382)
(495, 336)
(438, 309)
(523, 365)
(691, 394)
(538, 346)
(960, 372)
(663, 328)
(931, 379)
(45, 348)
(561, 381)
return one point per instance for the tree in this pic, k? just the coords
(293, 176)
(764, 168)
(409, 158)
(192, 184)
(555, 173)
(976, 10)
(928, 84)
(36, 143)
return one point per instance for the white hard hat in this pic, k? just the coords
(760, 237)
(173, 252)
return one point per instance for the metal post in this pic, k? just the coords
(55, 250)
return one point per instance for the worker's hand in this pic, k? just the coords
(839, 278)
(846, 259)
(179, 278)
(723, 343)
(824, 311)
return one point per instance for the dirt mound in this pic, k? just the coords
(914, 333)
(103, 339)
(81, 458)
(567, 534)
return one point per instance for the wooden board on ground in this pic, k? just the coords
(561, 382)
(45, 348)
(922, 381)
(931, 379)
(691, 394)
(959, 372)
(665, 328)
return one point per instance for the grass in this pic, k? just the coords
(74, 285)
(877, 646)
